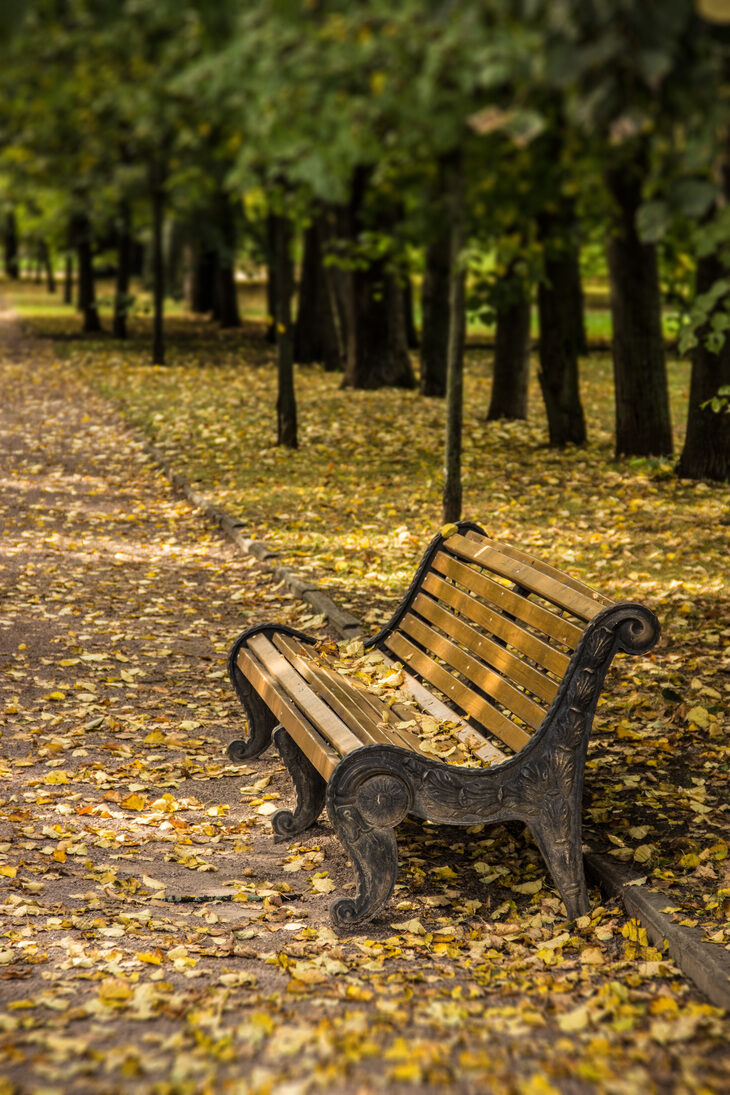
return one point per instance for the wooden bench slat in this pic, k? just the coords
(534, 615)
(488, 554)
(433, 706)
(304, 734)
(369, 711)
(553, 572)
(358, 720)
(336, 692)
(476, 672)
(498, 657)
(552, 660)
(327, 722)
(490, 718)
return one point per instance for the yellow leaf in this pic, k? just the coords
(56, 696)
(699, 716)
(153, 958)
(59, 776)
(322, 885)
(8, 872)
(114, 989)
(538, 1085)
(574, 1020)
(414, 926)
(592, 956)
(529, 887)
(445, 873)
(133, 802)
(152, 883)
(408, 1073)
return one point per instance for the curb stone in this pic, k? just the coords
(705, 964)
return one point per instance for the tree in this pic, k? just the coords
(10, 243)
(452, 490)
(286, 410)
(643, 424)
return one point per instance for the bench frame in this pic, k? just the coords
(375, 787)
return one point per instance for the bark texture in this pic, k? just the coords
(435, 314)
(86, 284)
(158, 266)
(643, 424)
(706, 452)
(47, 260)
(10, 242)
(511, 358)
(286, 409)
(376, 350)
(68, 279)
(452, 492)
(124, 262)
(315, 332)
(271, 290)
(226, 311)
(562, 337)
(203, 278)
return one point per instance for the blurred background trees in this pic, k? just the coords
(324, 143)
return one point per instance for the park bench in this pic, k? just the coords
(507, 652)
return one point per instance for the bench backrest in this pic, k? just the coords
(493, 630)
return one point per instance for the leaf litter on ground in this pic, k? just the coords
(142, 888)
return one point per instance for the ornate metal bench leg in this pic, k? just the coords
(311, 788)
(261, 721)
(364, 809)
(558, 837)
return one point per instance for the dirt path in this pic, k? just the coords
(125, 964)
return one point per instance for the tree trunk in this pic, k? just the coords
(10, 241)
(562, 337)
(315, 334)
(47, 260)
(124, 260)
(158, 264)
(409, 314)
(227, 303)
(511, 357)
(271, 290)
(308, 334)
(87, 285)
(203, 278)
(706, 452)
(435, 315)
(377, 353)
(175, 259)
(68, 279)
(286, 408)
(452, 492)
(336, 283)
(643, 425)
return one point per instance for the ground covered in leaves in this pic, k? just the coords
(154, 938)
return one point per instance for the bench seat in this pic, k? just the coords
(504, 651)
